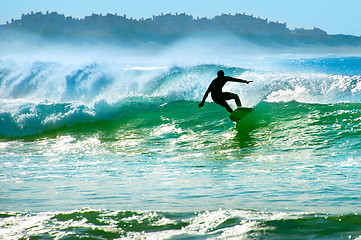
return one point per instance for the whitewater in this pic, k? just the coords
(111, 144)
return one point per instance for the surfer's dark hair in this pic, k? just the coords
(220, 73)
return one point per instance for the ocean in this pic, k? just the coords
(117, 148)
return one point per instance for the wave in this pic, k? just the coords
(39, 97)
(218, 224)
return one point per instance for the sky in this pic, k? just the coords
(333, 16)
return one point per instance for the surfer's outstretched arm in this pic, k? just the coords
(205, 97)
(238, 80)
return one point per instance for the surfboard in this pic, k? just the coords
(239, 113)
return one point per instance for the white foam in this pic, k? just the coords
(208, 224)
(302, 87)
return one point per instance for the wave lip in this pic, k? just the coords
(100, 80)
(18, 120)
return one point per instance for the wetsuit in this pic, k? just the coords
(220, 97)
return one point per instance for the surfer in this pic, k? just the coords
(219, 97)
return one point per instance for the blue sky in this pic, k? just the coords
(333, 16)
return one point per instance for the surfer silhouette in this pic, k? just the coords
(220, 97)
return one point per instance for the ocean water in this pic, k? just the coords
(104, 149)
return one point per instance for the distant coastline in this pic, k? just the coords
(167, 28)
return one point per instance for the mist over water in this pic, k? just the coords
(39, 69)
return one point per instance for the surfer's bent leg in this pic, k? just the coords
(229, 96)
(225, 104)
(221, 101)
